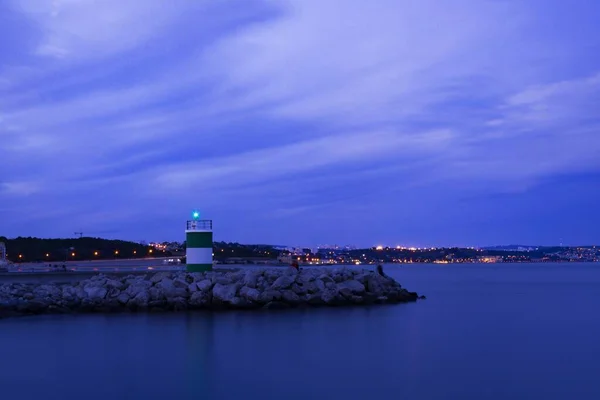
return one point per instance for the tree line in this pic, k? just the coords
(30, 249)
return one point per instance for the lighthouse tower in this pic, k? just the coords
(199, 244)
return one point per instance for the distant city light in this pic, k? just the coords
(379, 248)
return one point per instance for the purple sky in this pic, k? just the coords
(411, 122)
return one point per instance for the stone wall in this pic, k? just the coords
(178, 291)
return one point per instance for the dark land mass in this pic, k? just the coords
(29, 249)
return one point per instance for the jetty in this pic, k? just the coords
(210, 291)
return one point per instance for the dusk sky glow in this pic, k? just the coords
(396, 122)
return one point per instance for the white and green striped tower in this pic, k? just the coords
(199, 244)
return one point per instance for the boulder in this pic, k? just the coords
(224, 293)
(123, 298)
(181, 283)
(283, 282)
(251, 278)
(299, 289)
(268, 296)
(140, 300)
(204, 285)
(199, 299)
(95, 292)
(250, 293)
(159, 276)
(355, 287)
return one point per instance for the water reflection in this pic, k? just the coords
(199, 357)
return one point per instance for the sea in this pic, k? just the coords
(493, 331)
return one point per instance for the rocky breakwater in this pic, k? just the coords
(178, 291)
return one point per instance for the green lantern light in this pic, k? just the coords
(195, 215)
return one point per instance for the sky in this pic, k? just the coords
(393, 122)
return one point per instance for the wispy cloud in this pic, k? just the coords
(284, 106)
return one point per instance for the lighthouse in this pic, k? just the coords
(199, 244)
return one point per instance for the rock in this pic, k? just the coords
(239, 302)
(204, 285)
(199, 299)
(192, 287)
(181, 283)
(179, 304)
(222, 280)
(95, 292)
(290, 297)
(305, 277)
(137, 286)
(283, 282)
(156, 294)
(45, 291)
(268, 296)
(355, 287)
(123, 298)
(114, 284)
(329, 296)
(224, 293)
(159, 276)
(140, 300)
(170, 291)
(251, 278)
(374, 284)
(299, 289)
(249, 293)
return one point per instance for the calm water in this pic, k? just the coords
(485, 332)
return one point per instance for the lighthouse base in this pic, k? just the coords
(198, 267)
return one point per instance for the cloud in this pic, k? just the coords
(18, 188)
(238, 104)
(86, 28)
(303, 156)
